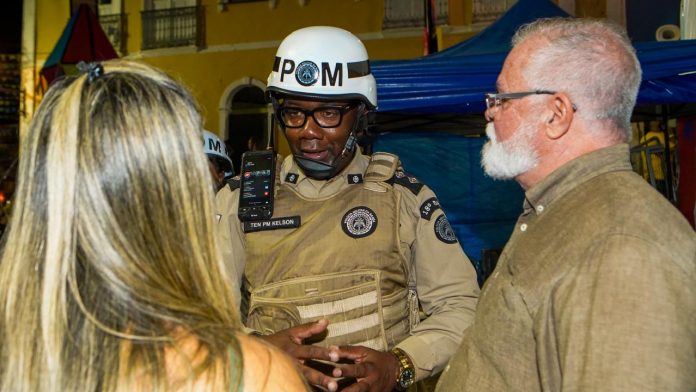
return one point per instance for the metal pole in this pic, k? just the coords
(668, 155)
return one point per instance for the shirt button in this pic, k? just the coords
(540, 208)
(523, 227)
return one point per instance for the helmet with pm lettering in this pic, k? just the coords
(323, 63)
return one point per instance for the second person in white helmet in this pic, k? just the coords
(219, 162)
(354, 239)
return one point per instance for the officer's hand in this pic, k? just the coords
(375, 371)
(290, 340)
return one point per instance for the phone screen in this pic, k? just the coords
(256, 193)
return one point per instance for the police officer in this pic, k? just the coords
(354, 239)
(219, 162)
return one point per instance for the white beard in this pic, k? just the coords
(509, 159)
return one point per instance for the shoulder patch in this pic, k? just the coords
(233, 183)
(428, 208)
(407, 181)
(443, 230)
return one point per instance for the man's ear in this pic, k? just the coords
(560, 115)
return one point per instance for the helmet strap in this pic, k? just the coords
(349, 147)
(350, 144)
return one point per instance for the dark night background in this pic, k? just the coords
(11, 26)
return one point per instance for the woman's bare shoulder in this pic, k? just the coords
(266, 368)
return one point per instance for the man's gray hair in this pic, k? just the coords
(592, 61)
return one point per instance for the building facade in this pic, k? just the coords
(223, 50)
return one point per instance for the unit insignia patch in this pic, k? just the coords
(307, 73)
(359, 222)
(443, 230)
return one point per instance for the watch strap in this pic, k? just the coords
(407, 371)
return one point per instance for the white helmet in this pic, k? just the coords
(214, 148)
(323, 62)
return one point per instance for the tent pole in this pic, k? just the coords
(668, 155)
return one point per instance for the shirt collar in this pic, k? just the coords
(574, 173)
(322, 188)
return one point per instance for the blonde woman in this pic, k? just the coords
(110, 278)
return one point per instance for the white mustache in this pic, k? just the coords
(509, 158)
(490, 132)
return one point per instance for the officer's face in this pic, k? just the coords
(315, 142)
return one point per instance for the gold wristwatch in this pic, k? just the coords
(407, 373)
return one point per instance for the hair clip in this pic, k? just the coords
(92, 70)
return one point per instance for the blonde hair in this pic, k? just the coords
(111, 241)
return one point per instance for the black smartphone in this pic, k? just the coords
(257, 177)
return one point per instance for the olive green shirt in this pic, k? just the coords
(595, 291)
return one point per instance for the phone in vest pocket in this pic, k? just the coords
(257, 179)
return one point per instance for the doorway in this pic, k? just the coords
(247, 119)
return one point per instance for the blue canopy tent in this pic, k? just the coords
(455, 79)
(482, 211)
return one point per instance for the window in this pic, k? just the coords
(490, 10)
(75, 4)
(248, 123)
(114, 26)
(10, 69)
(113, 22)
(410, 13)
(170, 23)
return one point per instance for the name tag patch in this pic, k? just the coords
(287, 222)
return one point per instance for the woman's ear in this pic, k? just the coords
(560, 116)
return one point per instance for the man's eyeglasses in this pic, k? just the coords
(324, 116)
(497, 99)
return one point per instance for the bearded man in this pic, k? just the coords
(596, 288)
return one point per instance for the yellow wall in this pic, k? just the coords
(209, 71)
(591, 9)
(256, 21)
(51, 19)
(241, 39)
(132, 8)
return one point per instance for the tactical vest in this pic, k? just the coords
(342, 263)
